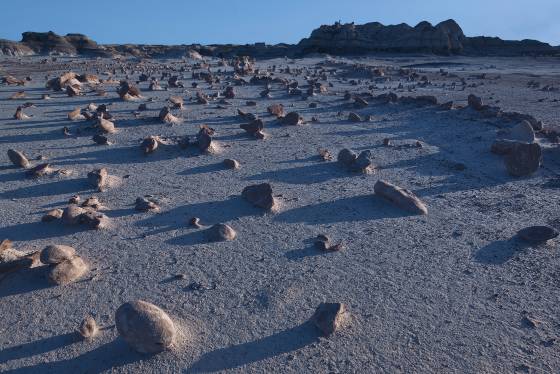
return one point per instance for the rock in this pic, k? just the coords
(57, 253)
(231, 163)
(523, 159)
(349, 160)
(128, 91)
(346, 158)
(276, 110)
(364, 161)
(259, 195)
(106, 125)
(19, 115)
(144, 205)
(220, 232)
(98, 178)
(537, 234)
(401, 197)
(330, 317)
(522, 132)
(88, 328)
(229, 93)
(445, 38)
(145, 327)
(72, 215)
(18, 158)
(253, 127)
(96, 220)
(204, 140)
(324, 154)
(354, 117)
(75, 115)
(475, 102)
(100, 139)
(74, 199)
(40, 170)
(359, 102)
(502, 146)
(195, 221)
(90, 202)
(149, 145)
(67, 271)
(323, 243)
(292, 119)
(52, 215)
(166, 116)
(177, 102)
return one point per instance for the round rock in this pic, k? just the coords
(221, 232)
(146, 327)
(67, 271)
(55, 254)
(523, 159)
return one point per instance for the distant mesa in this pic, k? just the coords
(445, 38)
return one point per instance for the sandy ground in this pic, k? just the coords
(447, 292)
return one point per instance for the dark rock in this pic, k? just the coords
(537, 234)
(523, 159)
(329, 317)
(259, 195)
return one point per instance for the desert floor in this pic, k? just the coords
(448, 292)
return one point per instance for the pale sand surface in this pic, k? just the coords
(446, 292)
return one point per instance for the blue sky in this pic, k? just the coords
(248, 21)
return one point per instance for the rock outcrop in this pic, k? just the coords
(444, 38)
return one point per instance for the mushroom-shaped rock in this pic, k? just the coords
(330, 317)
(523, 159)
(67, 271)
(401, 197)
(221, 232)
(57, 253)
(18, 158)
(145, 327)
(259, 195)
(537, 234)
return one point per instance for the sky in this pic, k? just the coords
(250, 21)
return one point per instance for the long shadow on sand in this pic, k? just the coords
(308, 174)
(500, 251)
(107, 357)
(209, 212)
(24, 281)
(355, 208)
(122, 155)
(243, 354)
(37, 230)
(61, 187)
